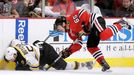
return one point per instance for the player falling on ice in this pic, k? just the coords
(82, 23)
(35, 57)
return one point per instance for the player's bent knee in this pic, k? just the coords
(104, 35)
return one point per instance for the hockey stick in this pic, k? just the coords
(53, 34)
(53, 62)
(49, 66)
(47, 37)
(38, 43)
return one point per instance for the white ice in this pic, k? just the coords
(95, 71)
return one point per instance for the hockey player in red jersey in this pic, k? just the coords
(82, 23)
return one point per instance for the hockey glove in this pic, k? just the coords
(38, 43)
(65, 53)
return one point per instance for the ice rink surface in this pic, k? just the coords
(95, 71)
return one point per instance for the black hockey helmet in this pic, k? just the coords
(60, 20)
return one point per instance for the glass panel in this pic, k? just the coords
(54, 8)
(107, 8)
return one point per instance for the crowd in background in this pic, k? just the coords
(54, 8)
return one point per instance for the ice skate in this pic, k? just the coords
(105, 66)
(89, 64)
(124, 22)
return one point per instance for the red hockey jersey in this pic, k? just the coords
(75, 22)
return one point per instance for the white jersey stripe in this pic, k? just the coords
(92, 18)
(112, 30)
(96, 52)
(116, 28)
(81, 12)
(98, 57)
(98, 26)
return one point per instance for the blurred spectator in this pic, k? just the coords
(87, 7)
(20, 7)
(36, 13)
(51, 2)
(65, 7)
(106, 7)
(7, 9)
(14, 1)
(126, 10)
(117, 4)
(103, 4)
(80, 2)
(28, 2)
(48, 13)
(132, 1)
(24, 7)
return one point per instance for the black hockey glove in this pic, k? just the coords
(65, 53)
(38, 43)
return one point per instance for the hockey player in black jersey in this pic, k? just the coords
(28, 57)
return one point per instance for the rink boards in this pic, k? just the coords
(119, 50)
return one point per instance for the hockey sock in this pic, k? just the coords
(97, 54)
(110, 31)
